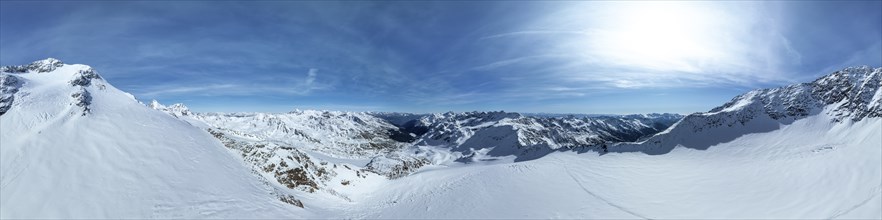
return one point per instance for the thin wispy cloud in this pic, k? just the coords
(440, 56)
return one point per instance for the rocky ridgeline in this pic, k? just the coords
(384, 136)
(288, 167)
(855, 90)
(81, 80)
(40, 66)
(851, 94)
(9, 83)
(528, 137)
(851, 91)
(341, 134)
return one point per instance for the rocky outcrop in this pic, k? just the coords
(395, 166)
(40, 66)
(82, 99)
(341, 134)
(851, 94)
(9, 85)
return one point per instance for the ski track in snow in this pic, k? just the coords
(873, 194)
(18, 167)
(567, 169)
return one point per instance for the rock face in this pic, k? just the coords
(340, 134)
(9, 85)
(83, 77)
(851, 94)
(40, 66)
(396, 165)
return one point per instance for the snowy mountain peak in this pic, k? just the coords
(39, 66)
(78, 82)
(155, 105)
(177, 109)
(851, 92)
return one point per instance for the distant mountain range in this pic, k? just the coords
(74, 146)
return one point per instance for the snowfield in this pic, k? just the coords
(74, 146)
(806, 170)
(119, 160)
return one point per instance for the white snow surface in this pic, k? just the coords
(811, 169)
(119, 160)
(105, 155)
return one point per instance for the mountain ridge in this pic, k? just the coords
(65, 121)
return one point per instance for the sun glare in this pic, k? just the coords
(659, 35)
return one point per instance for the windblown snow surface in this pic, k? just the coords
(118, 159)
(73, 146)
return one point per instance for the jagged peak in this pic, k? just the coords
(177, 109)
(853, 75)
(39, 66)
(852, 87)
(48, 62)
(155, 105)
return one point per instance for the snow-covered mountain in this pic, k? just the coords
(480, 134)
(74, 146)
(847, 96)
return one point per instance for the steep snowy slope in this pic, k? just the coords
(807, 151)
(73, 146)
(852, 94)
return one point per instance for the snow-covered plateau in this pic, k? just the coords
(74, 146)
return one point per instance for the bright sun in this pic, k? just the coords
(658, 34)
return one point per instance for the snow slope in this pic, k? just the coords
(351, 135)
(810, 169)
(796, 152)
(73, 146)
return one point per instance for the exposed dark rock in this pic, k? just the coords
(82, 98)
(9, 85)
(84, 77)
(40, 66)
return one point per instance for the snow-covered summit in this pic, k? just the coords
(39, 66)
(74, 146)
(77, 80)
(852, 94)
(177, 109)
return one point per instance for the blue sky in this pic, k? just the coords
(556, 57)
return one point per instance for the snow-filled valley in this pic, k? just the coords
(74, 146)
